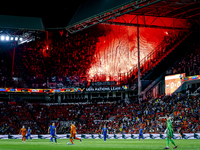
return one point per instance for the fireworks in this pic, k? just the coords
(116, 50)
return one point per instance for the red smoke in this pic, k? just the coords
(116, 49)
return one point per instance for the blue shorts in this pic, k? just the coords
(140, 134)
(104, 135)
(53, 134)
(28, 134)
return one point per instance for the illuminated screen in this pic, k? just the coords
(172, 83)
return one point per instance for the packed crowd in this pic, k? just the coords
(72, 56)
(32, 62)
(5, 74)
(66, 60)
(189, 64)
(13, 116)
(119, 116)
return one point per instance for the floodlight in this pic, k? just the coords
(7, 38)
(2, 38)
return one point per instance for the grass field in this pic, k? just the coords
(94, 144)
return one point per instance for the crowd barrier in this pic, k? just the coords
(109, 136)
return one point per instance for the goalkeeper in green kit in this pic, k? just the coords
(169, 132)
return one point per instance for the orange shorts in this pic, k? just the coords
(73, 135)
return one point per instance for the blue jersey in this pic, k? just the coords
(141, 131)
(29, 131)
(52, 129)
(105, 131)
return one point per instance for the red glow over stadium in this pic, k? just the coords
(116, 49)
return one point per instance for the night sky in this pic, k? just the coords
(53, 14)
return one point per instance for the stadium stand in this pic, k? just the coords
(188, 64)
(13, 116)
(90, 117)
(5, 79)
(76, 56)
(32, 62)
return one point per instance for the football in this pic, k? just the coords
(68, 143)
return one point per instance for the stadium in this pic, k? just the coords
(101, 74)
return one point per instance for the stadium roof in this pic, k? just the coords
(53, 14)
(77, 13)
(94, 8)
(18, 22)
(99, 11)
(18, 30)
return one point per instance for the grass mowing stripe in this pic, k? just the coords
(96, 144)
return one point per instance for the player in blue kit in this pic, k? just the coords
(29, 133)
(140, 134)
(52, 131)
(105, 132)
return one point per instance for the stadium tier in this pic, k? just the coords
(90, 117)
(78, 60)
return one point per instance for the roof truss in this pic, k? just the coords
(146, 10)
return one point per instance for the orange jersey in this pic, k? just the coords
(73, 129)
(23, 131)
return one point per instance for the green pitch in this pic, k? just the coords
(94, 144)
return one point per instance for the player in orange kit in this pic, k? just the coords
(73, 134)
(23, 132)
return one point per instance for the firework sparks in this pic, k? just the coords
(116, 50)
